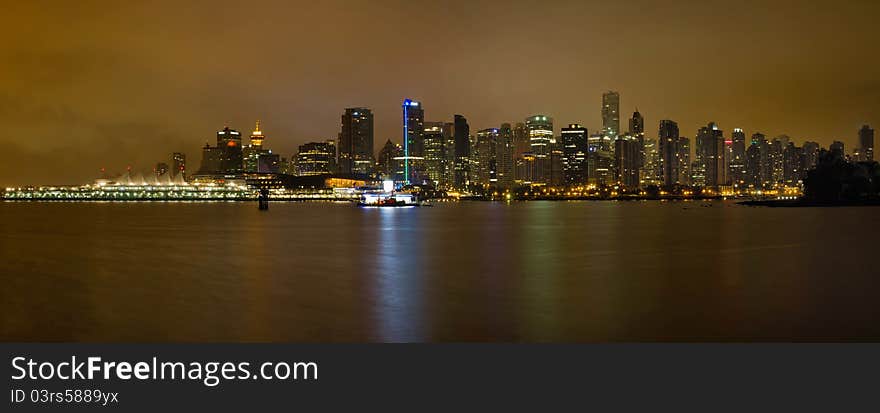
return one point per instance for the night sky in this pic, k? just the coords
(85, 85)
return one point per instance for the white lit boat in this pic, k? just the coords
(388, 197)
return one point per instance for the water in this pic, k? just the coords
(533, 271)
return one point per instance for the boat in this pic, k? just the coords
(388, 199)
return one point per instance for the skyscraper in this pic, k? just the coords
(637, 130)
(811, 155)
(225, 157)
(611, 114)
(485, 157)
(413, 141)
(668, 140)
(254, 150)
(461, 164)
(738, 156)
(540, 129)
(626, 165)
(866, 143)
(434, 141)
(574, 154)
(710, 159)
(356, 142)
(389, 164)
(504, 152)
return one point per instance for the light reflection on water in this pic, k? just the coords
(537, 271)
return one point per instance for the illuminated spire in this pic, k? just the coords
(257, 136)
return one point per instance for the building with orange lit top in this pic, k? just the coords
(224, 158)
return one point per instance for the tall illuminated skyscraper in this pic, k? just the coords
(254, 150)
(738, 156)
(461, 163)
(485, 157)
(611, 114)
(574, 155)
(356, 142)
(668, 147)
(413, 141)
(435, 151)
(637, 130)
(540, 129)
(504, 152)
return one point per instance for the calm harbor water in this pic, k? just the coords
(526, 271)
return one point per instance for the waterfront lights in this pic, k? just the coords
(388, 186)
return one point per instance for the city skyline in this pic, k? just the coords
(82, 101)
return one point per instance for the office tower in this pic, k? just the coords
(504, 153)
(356, 142)
(574, 155)
(448, 132)
(811, 155)
(224, 158)
(413, 141)
(435, 153)
(161, 169)
(866, 143)
(461, 164)
(389, 164)
(315, 158)
(738, 156)
(525, 169)
(484, 159)
(709, 160)
(668, 141)
(521, 140)
(556, 175)
(684, 161)
(178, 164)
(626, 165)
(540, 129)
(637, 130)
(650, 174)
(600, 159)
(254, 150)
(611, 114)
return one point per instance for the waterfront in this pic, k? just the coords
(524, 271)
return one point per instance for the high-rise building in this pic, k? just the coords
(668, 147)
(314, 158)
(811, 155)
(226, 157)
(574, 154)
(485, 158)
(413, 141)
(626, 165)
(504, 153)
(738, 156)
(600, 159)
(611, 114)
(356, 142)
(650, 174)
(461, 164)
(710, 157)
(254, 150)
(178, 164)
(837, 149)
(684, 161)
(758, 163)
(521, 140)
(866, 143)
(435, 151)
(776, 161)
(792, 164)
(637, 130)
(540, 129)
(389, 164)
